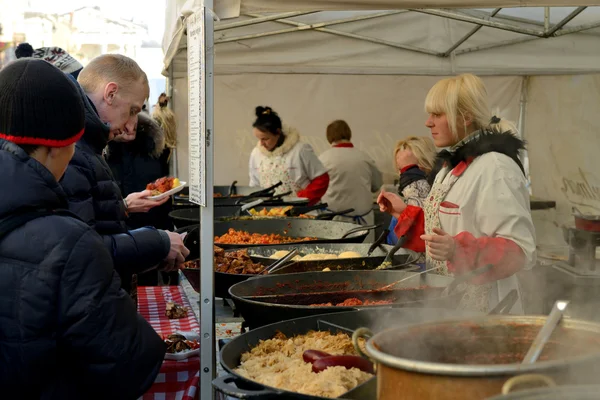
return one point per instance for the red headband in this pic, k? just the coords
(28, 140)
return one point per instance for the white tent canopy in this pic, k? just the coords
(523, 41)
(373, 68)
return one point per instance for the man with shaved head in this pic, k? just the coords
(114, 89)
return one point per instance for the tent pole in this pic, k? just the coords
(170, 83)
(261, 20)
(207, 296)
(300, 25)
(546, 19)
(468, 35)
(304, 27)
(576, 29)
(474, 20)
(521, 127)
(565, 21)
(494, 45)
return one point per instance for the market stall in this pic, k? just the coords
(500, 45)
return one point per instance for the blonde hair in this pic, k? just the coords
(112, 68)
(165, 118)
(338, 131)
(464, 97)
(423, 149)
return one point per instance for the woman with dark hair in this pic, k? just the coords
(279, 156)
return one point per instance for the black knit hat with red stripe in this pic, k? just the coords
(39, 105)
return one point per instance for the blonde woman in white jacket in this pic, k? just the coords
(279, 156)
(478, 210)
(353, 176)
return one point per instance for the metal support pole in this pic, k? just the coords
(170, 85)
(565, 21)
(468, 35)
(301, 26)
(546, 19)
(260, 20)
(521, 127)
(498, 44)
(208, 366)
(475, 20)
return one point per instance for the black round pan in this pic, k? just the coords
(324, 231)
(267, 299)
(402, 259)
(374, 319)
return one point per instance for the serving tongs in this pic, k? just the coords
(300, 210)
(268, 192)
(389, 258)
(248, 206)
(233, 189)
(379, 242)
(281, 262)
(359, 229)
(329, 216)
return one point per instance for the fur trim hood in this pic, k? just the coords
(482, 143)
(292, 137)
(149, 139)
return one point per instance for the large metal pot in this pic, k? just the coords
(473, 358)
(571, 392)
(586, 222)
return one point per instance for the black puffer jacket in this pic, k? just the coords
(67, 330)
(137, 163)
(95, 197)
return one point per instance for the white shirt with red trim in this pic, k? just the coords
(490, 198)
(294, 163)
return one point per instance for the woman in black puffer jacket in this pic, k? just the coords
(136, 163)
(67, 330)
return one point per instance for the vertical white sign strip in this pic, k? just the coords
(196, 115)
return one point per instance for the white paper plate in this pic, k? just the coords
(169, 193)
(185, 354)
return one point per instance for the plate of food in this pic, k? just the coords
(182, 345)
(165, 187)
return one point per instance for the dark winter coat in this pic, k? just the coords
(96, 198)
(67, 330)
(137, 163)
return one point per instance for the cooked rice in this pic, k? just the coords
(278, 363)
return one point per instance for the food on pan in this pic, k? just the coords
(275, 212)
(314, 257)
(279, 362)
(282, 253)
(353, 301)
(318, 256)
(175, 311)
(236, 262)
(241, 237)
(163, 185)
(231, 262)
(177, 343)
(349, 254)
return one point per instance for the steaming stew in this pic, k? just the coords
(474, 344)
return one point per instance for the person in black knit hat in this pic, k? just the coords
(66, 324)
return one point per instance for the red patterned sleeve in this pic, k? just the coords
(472, 253)
(411, 223)
(315, 189)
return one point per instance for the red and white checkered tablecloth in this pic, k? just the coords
(177, 380)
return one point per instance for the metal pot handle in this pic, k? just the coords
(541, 380)
(223, 385)
(364, 333)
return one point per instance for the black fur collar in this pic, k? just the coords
(486, 142)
